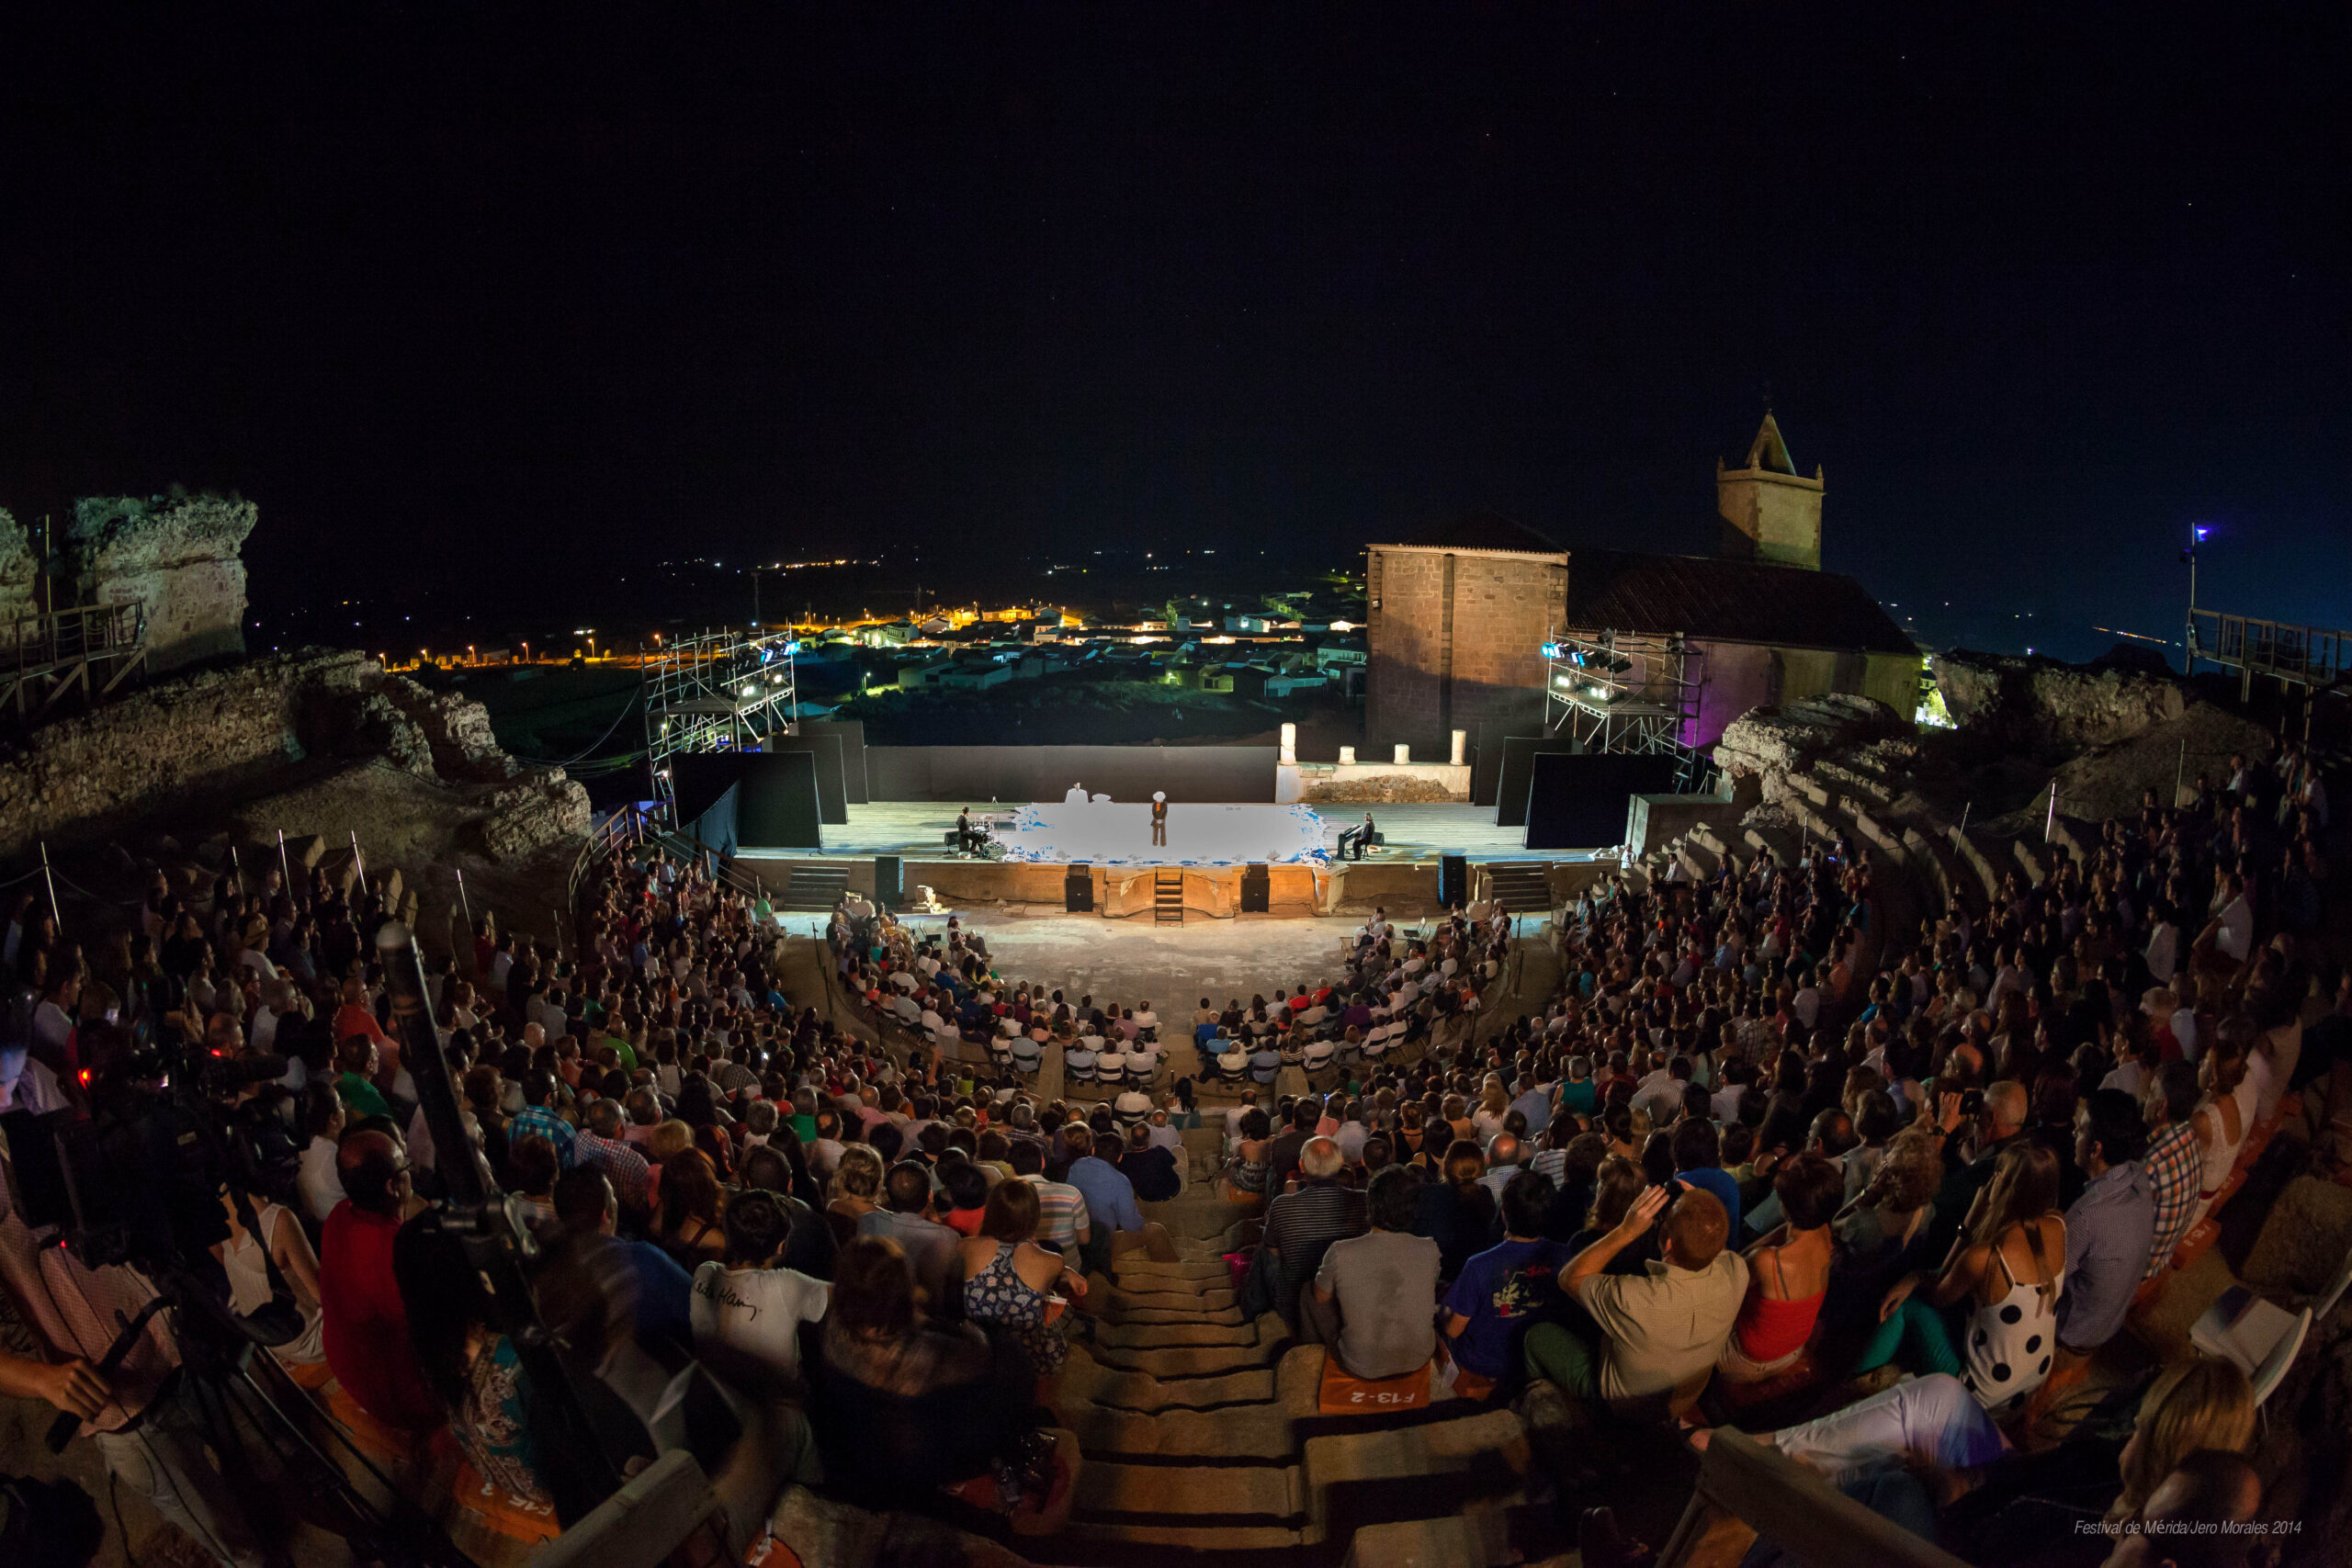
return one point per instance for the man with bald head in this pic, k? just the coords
(1644, 1335)
(365, 1321)
(1302, 1224)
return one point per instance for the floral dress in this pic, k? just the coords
(492, 1430)
(999, 1299)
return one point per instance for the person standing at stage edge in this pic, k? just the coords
(1160, 818)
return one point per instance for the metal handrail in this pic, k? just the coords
(50, 638)
(2289, 651)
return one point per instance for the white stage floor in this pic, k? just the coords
(1119, 833)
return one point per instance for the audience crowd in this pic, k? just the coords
(1757, 1152)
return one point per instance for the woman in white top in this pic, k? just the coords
(249, 1286)
(1990, 1317)
(2219, 1125)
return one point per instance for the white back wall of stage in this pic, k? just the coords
(973, 775)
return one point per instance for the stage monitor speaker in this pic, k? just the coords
(1257, 890)
(1078, 888)
(1454, 881)
(890, 881)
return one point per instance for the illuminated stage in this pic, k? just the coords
(1119, 833)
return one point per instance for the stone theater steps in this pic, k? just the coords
(1524, 886)
(814, 888)
(1203, 1442)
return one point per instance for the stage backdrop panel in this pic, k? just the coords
(770, 796)
(1582, 802)
(973, 775)
(852, 734)
(1517, 772)
(777, 808)
(832, 800)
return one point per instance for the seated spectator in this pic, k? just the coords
(1008, 1280)
(530, 1176)
(811, 1246)
(1373, 1295)
(1246, 1175)
(2110, 1465)
(1698, 1149)
(1788, 1272)
(1456, 1211)
(686, 1221)
(747, 1312)
(1506, 1291)
(1063, 1222)
(1644, 1338)
(661, 1312)
(363, 1313)
(1302, 1225)
(857, 1189)
(928, 1245)
(902, 1405)
(281, 1236)
(1119, 1224)
(469, 1367)
(2110, 1228)
(2011, 1254)
(599, 1143)
(967, 1195)
(1150, 1168)
(315, 1182)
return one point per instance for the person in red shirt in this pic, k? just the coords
(364, 1320)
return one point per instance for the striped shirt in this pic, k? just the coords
(2174, 1168)
(1061, 1214)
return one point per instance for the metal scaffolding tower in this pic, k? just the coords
(1635, 693)
(720, 692)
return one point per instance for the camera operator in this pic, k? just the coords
(147, 1437)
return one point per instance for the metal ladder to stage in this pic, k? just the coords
(1166, 897)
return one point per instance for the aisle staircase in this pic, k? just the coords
(1202, 1432)
(1523, 885)
(814, 888)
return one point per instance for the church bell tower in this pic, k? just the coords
(1770, 512)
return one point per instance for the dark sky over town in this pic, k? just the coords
(481, 305)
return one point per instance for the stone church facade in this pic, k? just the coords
(1458, 615)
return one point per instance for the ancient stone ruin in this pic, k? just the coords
(176, 555)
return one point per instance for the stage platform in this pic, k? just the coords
(1401, 876)
(918, 829)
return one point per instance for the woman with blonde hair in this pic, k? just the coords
(1494, 1104)
(2220, 1124)
(1999, 1505)
(1990, 1316)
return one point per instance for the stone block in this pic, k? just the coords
(307, 851)
(1266, 1491)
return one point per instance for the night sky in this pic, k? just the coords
(481, 309)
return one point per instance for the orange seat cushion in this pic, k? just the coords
(1344, 1393)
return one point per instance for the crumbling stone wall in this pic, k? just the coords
(177, 554)
(212, 728)
(1764, 747)
(2038, 703)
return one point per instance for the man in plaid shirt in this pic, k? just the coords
(538, 1088)
(2173, 1165)
(600, 1146)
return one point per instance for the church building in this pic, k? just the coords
(1461, 618)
